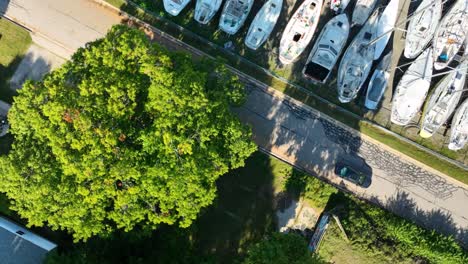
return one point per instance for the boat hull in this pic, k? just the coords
(357, 61)
(378, 83)
(451, 34)
(234, 14)
(299, 31)
(324, 55)
(443, 101)
(386, 23)
(459, 131)
(412, 89)
(205, 10)
(362, 11)
(174, 8)
(422, 27)
(263, 24)
(338, 6)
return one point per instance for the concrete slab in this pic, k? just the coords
(35, 64)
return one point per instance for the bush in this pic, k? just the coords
(378, 230)
(281, 249)
(312, 189)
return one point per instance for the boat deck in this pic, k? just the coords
(316, 71)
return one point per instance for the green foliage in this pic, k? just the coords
(125, 134)
(241, 215)
(377, 230)
(309, 187)
(281, 249)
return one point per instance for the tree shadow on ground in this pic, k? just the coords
(30, 67)
(439, 220)
(7, 94)
(243, 213)
(3, 6)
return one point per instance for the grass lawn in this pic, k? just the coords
(335, 249)
(14, 41)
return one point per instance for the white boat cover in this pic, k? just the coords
(412, 89)
(174, 7)
(459, 131)
(206, 9)
(357, 62)
(378, 83)
(299, 31)
(450, 34)
(422, 27)
(443, 101)
(386, 23)
(327, 49)
(362, 11)
(263, 24)
(234, 14)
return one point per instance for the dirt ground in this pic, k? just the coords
(295, 215)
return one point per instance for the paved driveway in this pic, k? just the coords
(289, 130)
(36, 63)
(70, 23)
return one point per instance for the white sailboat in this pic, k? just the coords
(378, 83)
(357, 62)
(443, 101)
(299, 30)
(174, 7)
(327, 49)
(234, 14)
(206, 9)
(422, 27)
(338, 6)
(412, 89)
(362, 11)
(450, 34)
(459, 130)
(386, 23)
(263, 24)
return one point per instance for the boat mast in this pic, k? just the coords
(451, 70)
(401, 23)
(437, 74)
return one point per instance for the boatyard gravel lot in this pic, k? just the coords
(267, 57)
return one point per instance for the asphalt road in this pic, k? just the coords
(285, 127)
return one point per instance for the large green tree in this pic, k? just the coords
(125, 134)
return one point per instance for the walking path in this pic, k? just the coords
(288, 129)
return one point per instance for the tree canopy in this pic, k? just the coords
(125, 134)
(281, 249)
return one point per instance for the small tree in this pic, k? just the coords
(124, 134)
